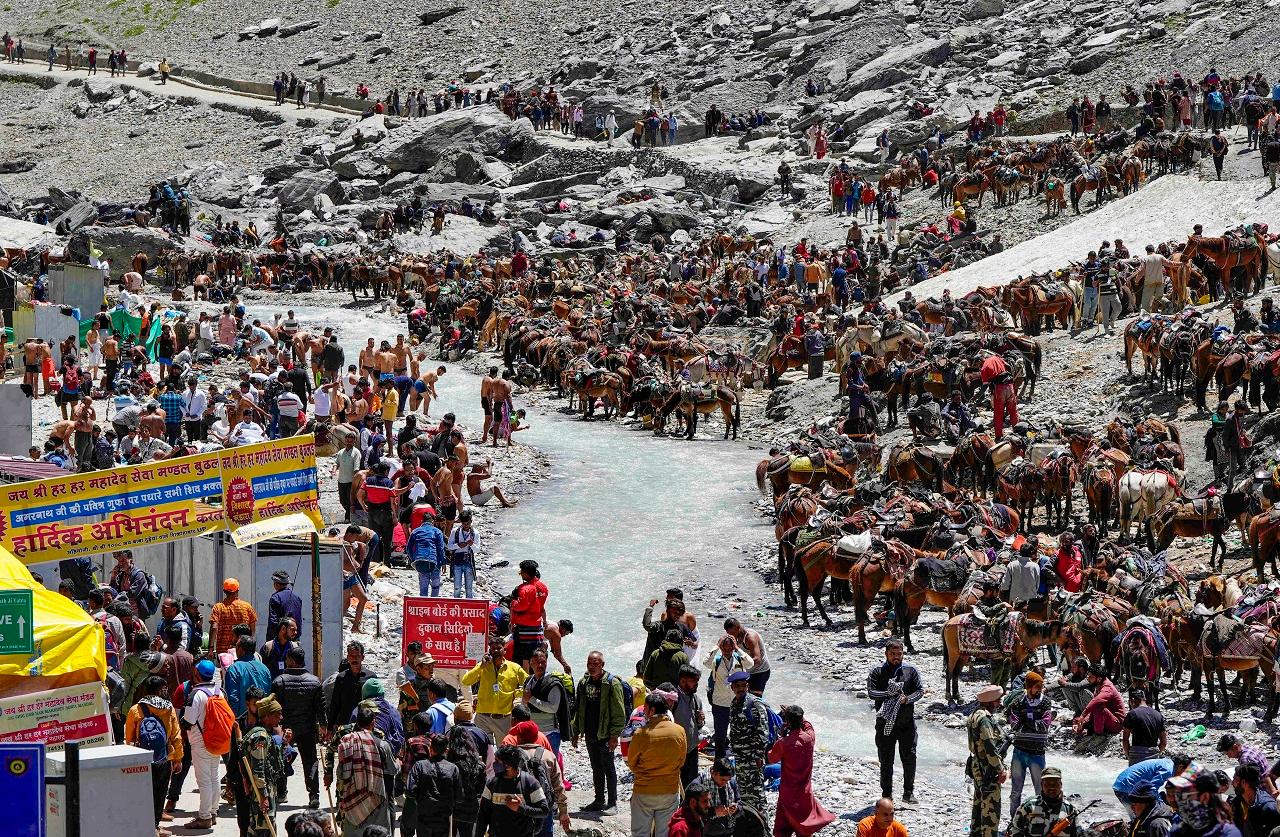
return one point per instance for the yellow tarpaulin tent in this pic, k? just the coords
(70, 647)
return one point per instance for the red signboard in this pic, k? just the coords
(454, 631)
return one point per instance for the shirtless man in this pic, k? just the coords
(153, 419)
(62, 430)
(458, 463)
(386, 362)
(424, 390)
(502, 389)
(315, 344)
(83, 415)
(555, 633)
(368, 360)
(401, 350)
(110, 360)
(200, 287)
(447, 504)
(486, 400)
(32, 355)
(480, 495)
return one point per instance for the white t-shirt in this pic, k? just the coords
(290, 404)
(1152, 268)
(320, 398)
(195, 711)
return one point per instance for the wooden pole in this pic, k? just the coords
(317, 629)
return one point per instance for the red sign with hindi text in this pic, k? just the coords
(454, 631)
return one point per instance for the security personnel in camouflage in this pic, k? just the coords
(263, 754)
(1038, 815)
(986, 766)
(749, 740)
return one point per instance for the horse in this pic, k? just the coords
(1142, 494)
(969, 457)
(909, 462)
(1252, 258)
(1058, 479)
(1020, 487)
(1199, 517)
(1029, 635)
(1147, 341)
(1055, 197)
(1096, 179)
(1098, 479)
(880, 570)
(705, 401)
(1252, 648)
(1177, 348)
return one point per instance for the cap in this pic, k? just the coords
(738, 677)
(268, 705)
(1051, 773)
(206, 669)
(231, 585)
(462, 712)
(990, 693)
(1032, 677)
(425, 659)
(281, 576)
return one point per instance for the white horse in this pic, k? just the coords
(869, 338)
(1143, 493)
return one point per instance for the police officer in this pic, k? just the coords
(1041, 813)
(986, 766)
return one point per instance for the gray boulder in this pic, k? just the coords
(291, 29)
(458, 165)
(899, 64)
(417, 146)
(301, 189)
(983, 9)
(117, 243)
(434, 15)
(268, 27)
(334, 60)
(99, 89)
(16, 164)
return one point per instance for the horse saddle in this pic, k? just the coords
(1007, 174)
(980, 637)
(854, 546)
(694, 394)
(1219, 633)
(1204, 507)
(808, 464)
(973, 178)
(891, 328)
(1237, 243)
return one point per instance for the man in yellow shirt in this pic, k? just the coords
(501, 682)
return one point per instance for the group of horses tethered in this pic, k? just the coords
(864, 537)
(1062, 170)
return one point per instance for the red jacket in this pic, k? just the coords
(1070, 569)
(1106, 701)
(683, 823)
(528, 608)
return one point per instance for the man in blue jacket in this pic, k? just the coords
(426, 554)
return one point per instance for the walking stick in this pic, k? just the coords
(333, 820)
(257, 795)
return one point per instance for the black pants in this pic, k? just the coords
(160, 773)
(380, 521)
(306, 744)
(1217, 164)
(689, 771)
(904, 736)
(604, 772)
(344, 498)
(176, 780)
(195, 430)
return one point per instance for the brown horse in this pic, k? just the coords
(1098, 478)
(1251, 259)
(1030, 635)
(880, 570)
(1146, 341)
(695, 402)
(1264, 541)
(1021, 489)
(908, 462)
(1197, 518)
(969, 458)
(1253, 650)
(1058, 482)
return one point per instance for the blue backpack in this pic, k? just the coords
(774, 722)
(152, 735)
(628, 691)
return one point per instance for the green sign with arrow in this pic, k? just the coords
(17, 622)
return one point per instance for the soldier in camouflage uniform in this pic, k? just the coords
(266, 760)
(1036, 816)
(986, 765)
(749, 740)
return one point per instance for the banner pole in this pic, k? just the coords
(317, 629)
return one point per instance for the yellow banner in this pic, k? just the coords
(271, 489)
(102, 511)
(142, 505)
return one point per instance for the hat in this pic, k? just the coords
(526, 732)
(424, 660)
(280, 576)
(268, 705)
(372, 688)
(1051, 773)
(1142, 793)
(462, 712)
(231, 585)
(990, 693)
(206, 669)
(1032, 677)
(739, 676)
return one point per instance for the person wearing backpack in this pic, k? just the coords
(152, 724)
(542, 764)
(749, 740)
(127, 579)
(601, 713)
(208, 719)
(549, 702)
(722, 662)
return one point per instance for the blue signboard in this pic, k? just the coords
(22, 788)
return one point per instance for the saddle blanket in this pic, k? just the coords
(1244, 645)
(973, 638)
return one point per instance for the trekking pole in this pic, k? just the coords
(257, 795)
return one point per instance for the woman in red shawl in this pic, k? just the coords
(799, 811)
